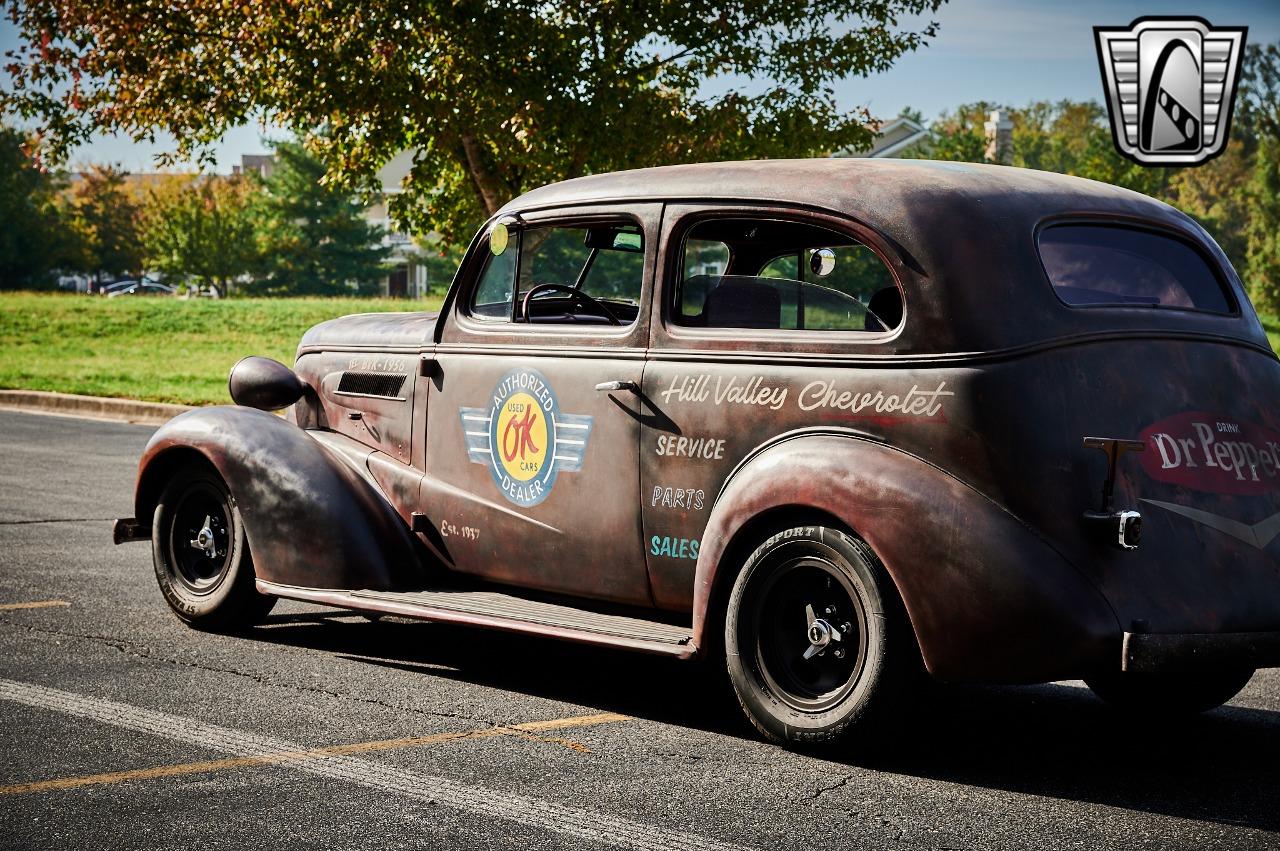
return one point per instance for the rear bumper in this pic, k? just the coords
(1154, 653)
(128, 529)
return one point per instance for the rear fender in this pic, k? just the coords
(988, 598)
(310, 517)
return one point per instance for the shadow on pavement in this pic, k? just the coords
(1050, 740)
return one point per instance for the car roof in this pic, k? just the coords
(847, 184)
(961, 235)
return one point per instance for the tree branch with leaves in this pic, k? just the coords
(495, 98)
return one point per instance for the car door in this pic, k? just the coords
(532, 463)
(755, 306)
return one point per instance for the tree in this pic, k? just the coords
(1258, 99)
(494, 97)
(1262, 232)
(105, 216)
(33, 240)
(314, 237)
(1215, 195)
(202, 228)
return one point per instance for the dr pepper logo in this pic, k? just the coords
(1206, 452)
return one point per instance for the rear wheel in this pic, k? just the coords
(201, 557)
(1169, 694)
(816, 642)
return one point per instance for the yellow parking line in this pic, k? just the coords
(528, 730)
(37, 604)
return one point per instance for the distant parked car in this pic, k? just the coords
(140, 288)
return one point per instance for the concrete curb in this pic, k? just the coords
(93, 407)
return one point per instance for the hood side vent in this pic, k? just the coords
(385, 384)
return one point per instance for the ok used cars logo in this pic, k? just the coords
(1206, 452)
(524, 438)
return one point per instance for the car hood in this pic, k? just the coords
(381, 330)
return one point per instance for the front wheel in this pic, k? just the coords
(816, 642)
(201, 557)
(1169, 694)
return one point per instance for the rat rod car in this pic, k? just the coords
(828, 422)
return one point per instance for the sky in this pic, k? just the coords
(1003, 51)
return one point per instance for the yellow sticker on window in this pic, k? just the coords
(498, 238)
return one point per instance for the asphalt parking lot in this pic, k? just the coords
(123, 728)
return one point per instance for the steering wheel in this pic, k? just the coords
(578, 295)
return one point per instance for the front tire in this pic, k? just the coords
(1169, 695)
(816, 641)
(201, 557)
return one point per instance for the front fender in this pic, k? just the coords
(989, 599)
(310, 518)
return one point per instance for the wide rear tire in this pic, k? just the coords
(818, 591)
(201, 557)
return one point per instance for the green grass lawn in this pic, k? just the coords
(160, 349)
(168, 350)
(1272, 324)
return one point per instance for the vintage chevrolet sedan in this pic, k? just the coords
(829, 424)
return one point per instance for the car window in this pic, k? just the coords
(604, 263)
(784, 275)
(1107, 265)
(492, 297)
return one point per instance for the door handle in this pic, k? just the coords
(611, 386)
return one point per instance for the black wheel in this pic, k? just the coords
(202, 560)
(816, 642)
(1169, 694)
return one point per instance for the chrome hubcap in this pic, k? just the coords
(821, 634)
(204, 540)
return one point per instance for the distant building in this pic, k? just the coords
(901, 137)
(261, 164)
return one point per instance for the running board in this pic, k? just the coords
(507, 612)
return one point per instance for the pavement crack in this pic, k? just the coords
(822, 790)
(57, 520)
(141, 651)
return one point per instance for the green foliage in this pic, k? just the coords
(201, 229)
(1258, 99)
(33, 239)
(1068, 137)
(494, 97)
(1262, 233)
(106, 218)
(314, 237)
(160, 349)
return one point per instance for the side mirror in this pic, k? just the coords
(822, 261)
(265, 384)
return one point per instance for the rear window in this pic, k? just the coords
(1095, 265)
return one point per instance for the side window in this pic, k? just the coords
(590, 274)
(705, 260)
(785, 275)
(492, 297)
